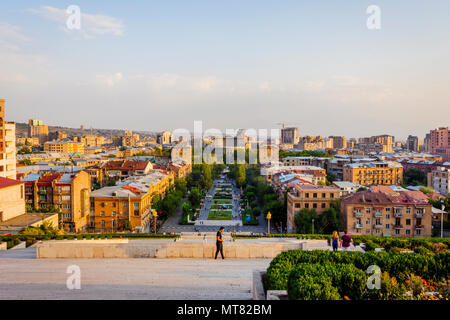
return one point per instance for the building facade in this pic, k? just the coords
(12, 199)
(309, 196)
(440, 142)
(37, 129)
(412, 143)
(377, 213)
(439, 179)
(373, 173)
(7, 145)
(64, 146)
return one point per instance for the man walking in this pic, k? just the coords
(219, 243)
(346, 241)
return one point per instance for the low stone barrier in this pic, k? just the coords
(3, 246)
(240, 249)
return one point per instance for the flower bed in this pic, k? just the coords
(220, 215)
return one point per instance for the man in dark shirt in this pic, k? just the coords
(346, 241)
(219, 243)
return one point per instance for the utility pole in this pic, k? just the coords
(312, 226)
(442, 218)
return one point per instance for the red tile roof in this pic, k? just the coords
(126, 165)
(5, 182)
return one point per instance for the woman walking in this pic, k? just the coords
(335, 240)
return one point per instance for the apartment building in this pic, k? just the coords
(439, 142)
(290, 135)
(7, 145)
(439, 179)
(309, 196)
(92, 141)
(12, 199)
(339, 142)
(373, 173)
(165, 137)
(32, 142)
(412, 143)
(64, 146)
(319, 174)
(130, 200)
(305, 161)
(382, 143)
(377, 213)
(122, 169)
(37, 129)
(68, 192)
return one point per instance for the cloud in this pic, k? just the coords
(11, 33)
(91, 24)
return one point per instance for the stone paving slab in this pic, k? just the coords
(151, 279)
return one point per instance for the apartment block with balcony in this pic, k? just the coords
(309, 196)
(380, 214)
(37, 129)
(374, 173)
(7, 145)
(68, 192)
(64, 146)
(439, 179)
(439, 142)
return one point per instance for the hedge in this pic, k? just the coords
(309, 281)
(24, 237)
(432, 267)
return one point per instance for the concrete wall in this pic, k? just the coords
(161, 249)
(12, 202)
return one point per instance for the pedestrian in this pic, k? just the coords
(335, 240)
(346, 241)
(219, 243)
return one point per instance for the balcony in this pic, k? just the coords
(419, 215)
(378, 214)
(358, 226)
(42, 192)
(358, 214)
(419, 226)
(398, 214)
(398, 226)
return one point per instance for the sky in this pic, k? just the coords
(161, 65)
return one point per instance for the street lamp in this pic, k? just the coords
(442, 217)
(269, 216)
(155, 216)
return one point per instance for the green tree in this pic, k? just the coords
(414, 177)
(240, 175)
(195, 197)
(303, 221)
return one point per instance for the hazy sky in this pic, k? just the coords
(153, 65)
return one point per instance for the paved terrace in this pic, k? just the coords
(23, 277)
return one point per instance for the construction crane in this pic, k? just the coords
(283, 124)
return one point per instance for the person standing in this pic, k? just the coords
(346, 241)
(219, 243)
(335, 240)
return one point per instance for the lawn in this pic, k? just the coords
(223, 201)
(221, 206)
(220, 215)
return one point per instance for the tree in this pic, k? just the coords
(207, 180)
(195, 197)
(303, 221)
(186, 207)
(240, 175)
(414, 177)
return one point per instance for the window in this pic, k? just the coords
(388, 216)
(306, 205)
(332, 195)
(408, 231)
(324, 195)
(114, 213)
(102, 213)
(125, 204)
(408, 222)
(314, 195)
(297, 205)
(418, 231)
(397, 231)
(323, 205)
(368, 221)
(114, 204)
(408, 210)
(103, 223)
(367, 210)
(388, 209)
(307, 195)
(314, 205)
(387, 226)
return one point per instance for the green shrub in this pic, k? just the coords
(370, 246)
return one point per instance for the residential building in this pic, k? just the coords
(165, 137)
(12, 199)
(64, 146)
(373, 173)
(377, 213)
(440, 142)
(130, 200)
(122, 169)
(346, 187)
(439, 179)
(92, 141)
(412, 143)
(317, 173)
(32, 142)
(7, 145)
(309, 196)
(57, 135)
(37, 129)
(68, 192)
(339, 142)
(130, 139)
(290, 136)
(382, 143)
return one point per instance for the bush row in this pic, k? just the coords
(432, 267)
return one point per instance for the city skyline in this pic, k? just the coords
(156, 66)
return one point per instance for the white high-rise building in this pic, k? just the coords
(7, 145)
